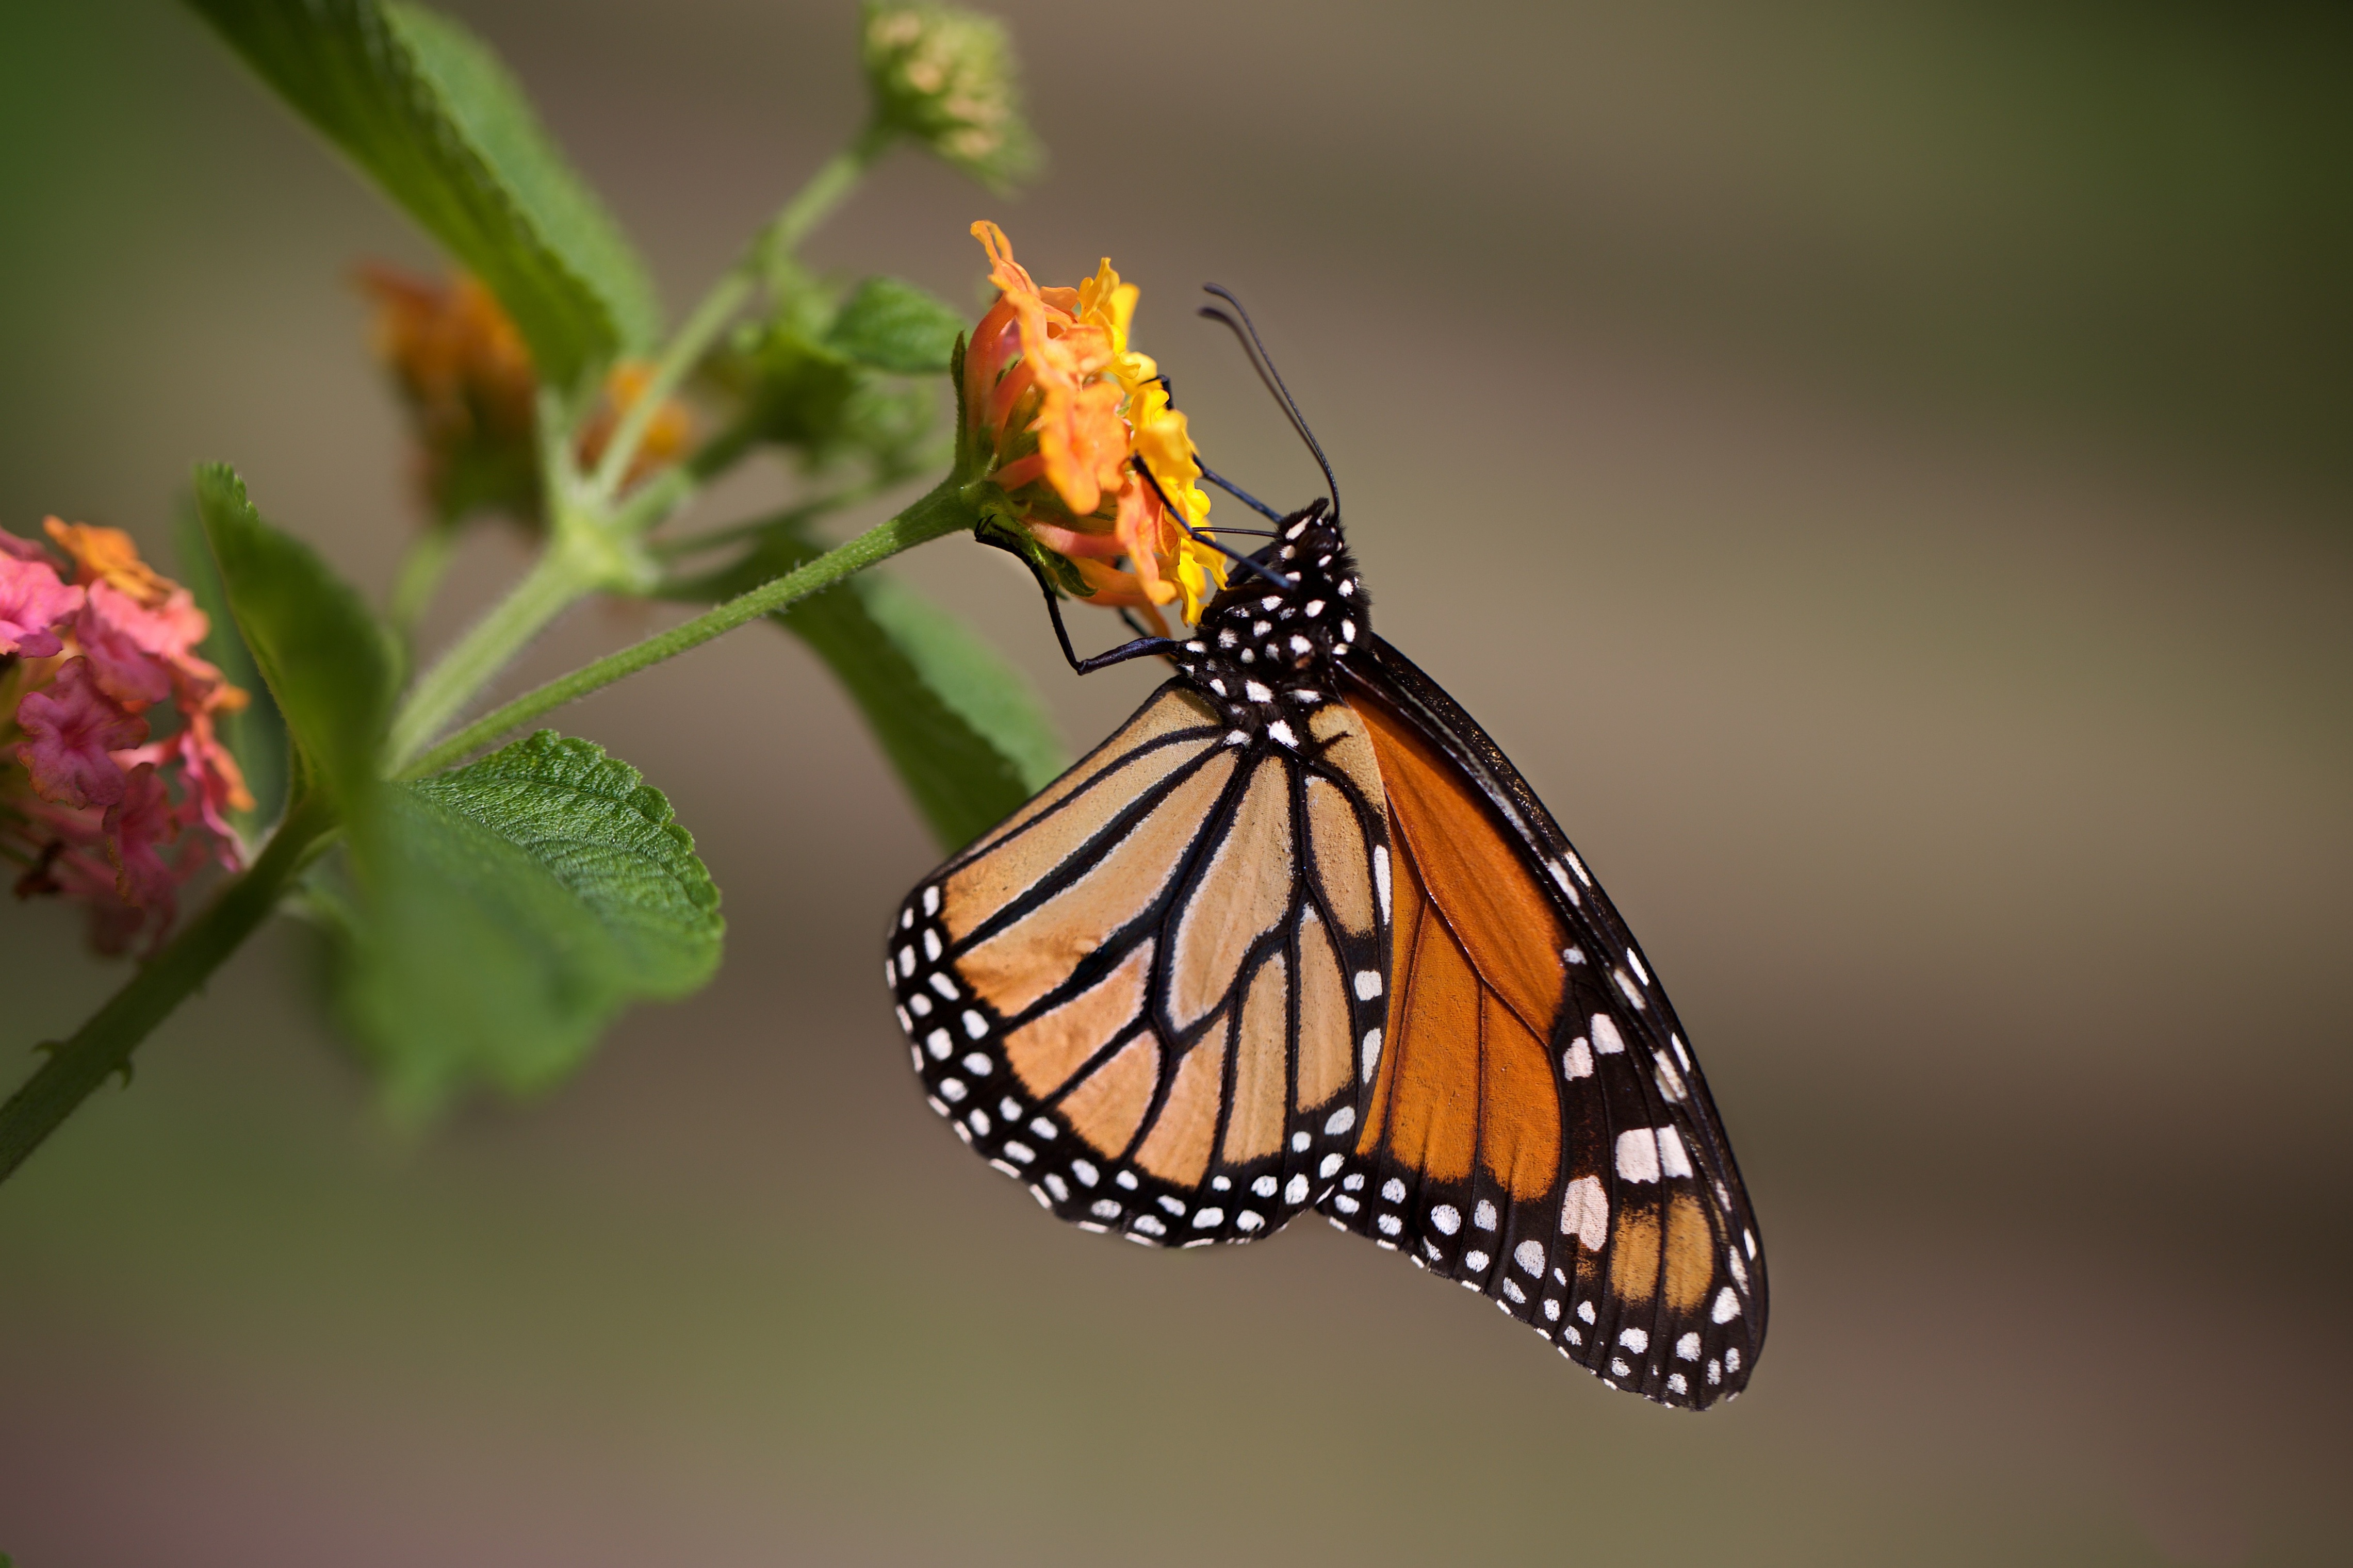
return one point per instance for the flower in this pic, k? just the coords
(466, 375)
(91, 808)
(33, 602)
(69, 730)
(945, 78)
(1062, 411)
(666, 434)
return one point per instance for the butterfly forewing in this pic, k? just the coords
(1144, 995)
(1537, 1129)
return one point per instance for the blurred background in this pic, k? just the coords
(1883, 473)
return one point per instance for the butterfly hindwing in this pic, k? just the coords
(1138, 996)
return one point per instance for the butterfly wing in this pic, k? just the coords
(1537, 1129)
(1143, 995)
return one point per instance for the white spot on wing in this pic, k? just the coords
(1606, 1037)
(1332, 1163)
(1638, 1154)
(939, 1044)
(1584, 1213)
(1368, 985)
(1635, 1340)
(1673, 1158)
(1280, 729)
(1687, 1347)
(1529, 1256)
(1447, 1218)
(1671, 1082)
(1295, 1192)
(1381, 877)
(1578, 1060)
(1372, 1052)
(1634, 959)
(1633, 993)
(1483, 1217)
(1340, 1121)
(1727, 1307)
(932, 943)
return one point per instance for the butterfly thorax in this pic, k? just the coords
(1264, 652)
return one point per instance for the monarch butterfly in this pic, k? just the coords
(1298, 934)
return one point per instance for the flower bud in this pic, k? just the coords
(946, 78)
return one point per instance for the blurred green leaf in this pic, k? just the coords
(255, 733)
(895, 326)
(427, 111)
(799, 389)
(510, 909)
(320, 652)
(963, 728)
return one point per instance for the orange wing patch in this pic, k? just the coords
(1464, 1075)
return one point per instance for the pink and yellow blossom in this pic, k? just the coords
(91, 808)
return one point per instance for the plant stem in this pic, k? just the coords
(560, 578)
(780, 238)
(103, 1044)
(421, 571)
(944, 511)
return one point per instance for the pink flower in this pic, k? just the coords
(33, 602)
(109, 632)
(215, 784)
(70, 728)
(23, 548)
(137, 827)
(90, 809)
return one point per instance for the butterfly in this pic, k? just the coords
(1299, 935)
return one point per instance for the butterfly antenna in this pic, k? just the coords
(1246, 333)
(1241, 495)
(1228, 550)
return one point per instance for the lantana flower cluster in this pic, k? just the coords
(1063, 411)
(466, 375)
(114, 786)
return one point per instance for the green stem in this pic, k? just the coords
(421, 571)
(102, 1046)
(944, 511)
(782, 236)
(559, 579)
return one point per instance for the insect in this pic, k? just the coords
(1299, 935)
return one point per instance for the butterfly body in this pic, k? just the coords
(1299, 935)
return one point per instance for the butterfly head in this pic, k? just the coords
(1265, 647)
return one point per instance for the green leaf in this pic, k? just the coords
(963, 728)
(896, 326)
(427, 109)
(511, 907)
(254, 734)
(323, 655)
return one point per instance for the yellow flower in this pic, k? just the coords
(1065, 409)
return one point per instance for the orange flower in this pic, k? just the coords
(666, 438)
(108, 555)
(1063, 407)
(472, 395)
